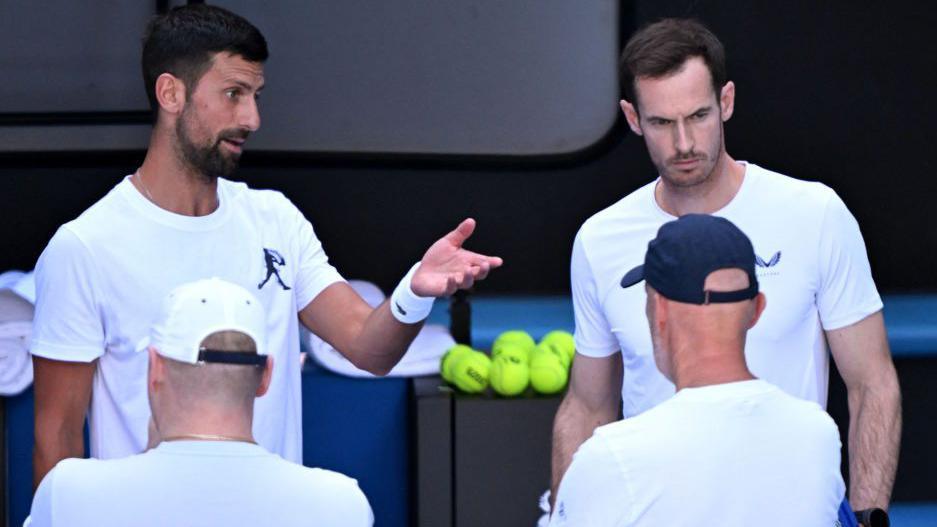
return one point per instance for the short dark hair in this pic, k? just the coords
(660, 49)
(183, 41)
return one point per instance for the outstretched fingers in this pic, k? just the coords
(461, 233)
(481, 271)
(447, 267)
(481, 259)
(468, 279)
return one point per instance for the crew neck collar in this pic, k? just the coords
(177, 221)
(731, 389)
(196, 446)
(738, 197)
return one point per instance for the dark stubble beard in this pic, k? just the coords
(704, 157)
(208, 161)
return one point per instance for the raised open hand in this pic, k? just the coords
(446, 266)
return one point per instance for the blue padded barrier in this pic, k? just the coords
(911, 319)
(19, 435)
(537, 315)
(912, 324)
(910, 514)
(360, 427)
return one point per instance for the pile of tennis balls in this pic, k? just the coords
(516, 362)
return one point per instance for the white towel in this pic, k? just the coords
(17, 295)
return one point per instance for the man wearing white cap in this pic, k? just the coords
(207, 363)
(180, 218)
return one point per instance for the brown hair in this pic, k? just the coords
(660, 49)
(184, 40)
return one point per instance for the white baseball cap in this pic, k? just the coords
(193, 311)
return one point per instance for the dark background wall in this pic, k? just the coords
(839, 92)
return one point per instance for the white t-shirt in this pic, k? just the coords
(736, 454)
(201, 483)
(103, 276)
(812, 268)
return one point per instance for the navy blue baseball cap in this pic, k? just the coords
(686, 251)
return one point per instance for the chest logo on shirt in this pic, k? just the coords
(561, 512)
(274, 261)
(764, 266)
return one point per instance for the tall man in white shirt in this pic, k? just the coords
(207, 364)
(811, 260)
(178, 219)
(727, 449)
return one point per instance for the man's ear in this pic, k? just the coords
(760, 303)
(170, 93)
(660, 312)
(631, 115)
(727, 101)
(265, 380)
(156, 370)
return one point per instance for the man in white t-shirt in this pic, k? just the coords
(177, 219)
(207, 364)
(728, 448)
(811, 263)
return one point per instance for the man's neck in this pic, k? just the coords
(214, 426)
(707, 197)
(704, 362)
(171, 184)
(721, 376)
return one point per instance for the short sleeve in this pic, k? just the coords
(847, 293)
(593, 335)
(359, 510)
(592, 492)
(342, 501)
(41, 513)
(67, 324)
(315, 273)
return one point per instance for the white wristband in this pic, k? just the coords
(405, 305)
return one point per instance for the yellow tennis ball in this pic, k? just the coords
(547, 373)
(519, 351)
(470, 372)
(449, 358)
(509, 374)
(514, 337)
(551, 348)
(562, 340)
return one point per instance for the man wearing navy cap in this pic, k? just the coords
(728, 448)
(809, 254)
